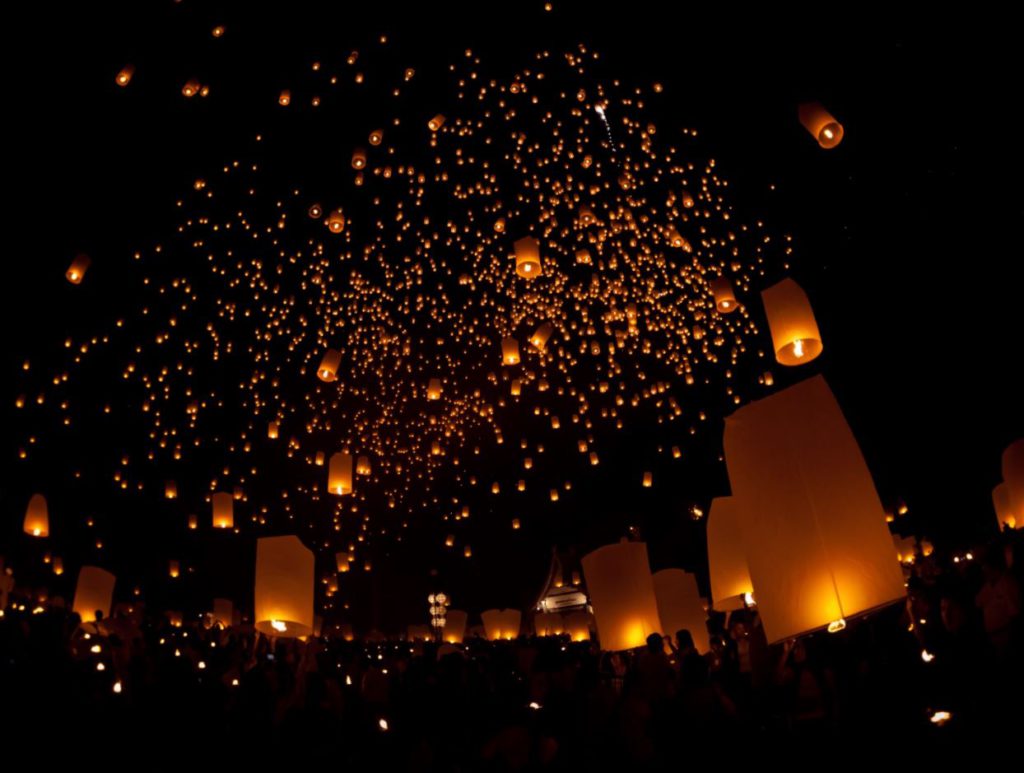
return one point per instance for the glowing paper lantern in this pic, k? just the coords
(680, 605)
(223, 612)
(435, 123)
(193, 522)
(434, 389)
(284, 98)
(906, 548)
(170, 489)
(1004, 512)
(328, 370)
(376, 137)
(540, 336)
(363, 466)
(794, 330)
(336, 222)
(727, 557)
(124, 77)
(725, 298)
(527, 252)
(339, 474)
(548, 624)
(174, 569)
(818, 548)
(455, 626)
(284, 587)
(358, 158)
(510, 351)
(501, 623)
(272, 430)
(577, 625)
(223, 510)
(76, 271)
(622, 594)
(1013, 477)
(94, 593)
(820, 123)
(37, 517)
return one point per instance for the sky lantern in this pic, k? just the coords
(341, 560)
(363, 466)
(725, 298)
(284, 98)
(1004, 511)
(336, 222)
(76, 271)
(124, 75)
(359, 158)
(818, 548)
(501, 623)
(621, 591)
(577, 625)
(820, 123)
(435, 123)
(284, 587)
(223, 510)
(454, 630)
(272, 430)
(547, 624)
(223, 612)
(376, 137)
(174, 569)
(906, 549)
(94, 593)
(37, 517)
(727, 557)
(1013, 477)
(510, 350)
(795, 335)
(540, 336)
(193, 522)
(339, 474)
(329, 364)
(191, 88)
(527, 252)
(680, 606)
(170, 489)
(648, 479)
(434, 389)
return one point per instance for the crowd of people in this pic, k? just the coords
(942, 668)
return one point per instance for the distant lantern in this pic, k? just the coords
(358, 158)
(363, 466)
(284, 98)
(587, 217)
(687, 199)
(1004, 511)
(191, 88)
(680, 606)
(648, 479)
(124, 76)
(467, 552)
(676, 239)
(319, 458)
(435, 123)
(174, 569)
(94, 593)
(906, 548)
(336, 222)
(527, 252)
(516, 524)
(223, 612)
(454, 630)
(577, 625)
(329, 364)
(223, 510)
(818, 548)
(820, 123)
(341, 560)
(540, 336)
(547, 624)
(339, 474)
(501, 623)
(510, 350)
(58, 565)
(434, 389)
(37, 517)
(499, 225)
(725, 299)
(284, 587)
(622, 593)
(727, 557)
(583, 257)
(170, 489)
(376, 137)
(516, 387)
(1013, 477)
(795, 333)
(76, 271)
(316, 211)
(193, 522)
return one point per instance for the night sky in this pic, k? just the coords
(906, 240)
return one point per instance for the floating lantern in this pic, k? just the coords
(223, 510)
(341, 560)
(583, 257)
(906, 549)
(516, 523)
(76, 271)
(454, 630)
(676, 240)
(648, 479)
(818, 548)
(820, 123)
(37, 517)
(94, 593)
(516, 387)
(336, 222)
(284, 98)
(191, 88)
(363, 466)
(622, 594)
(170, 489)
(223, 612)
(418, 633)
(376, 137)
(1013, 477)
(501, 623)
(1004, 511)
(124, 77)
(795, 333)
(540, 336)
(193, 522)
(680, 606)
(329, 364)
(547, 624)
(58, 565)
(272, 430)
(725, 299)
(284, 587)
(434, 389)
(577, 625)
(435, 123)
(727, 557)
(339, 474)
(527, 252)
(174, 569)
(510, 351)
(358, 158)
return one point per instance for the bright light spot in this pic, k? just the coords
(117, 686)
(828, 134)
(383, 724)
(202, 665)
(95, 648)
(798, 348)
(836, 625)
(926, 656)
(234, 683)
(534, 705)
(748, 599)
(277, 625)
(940, 718)
(100, 667)
(348, 680)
